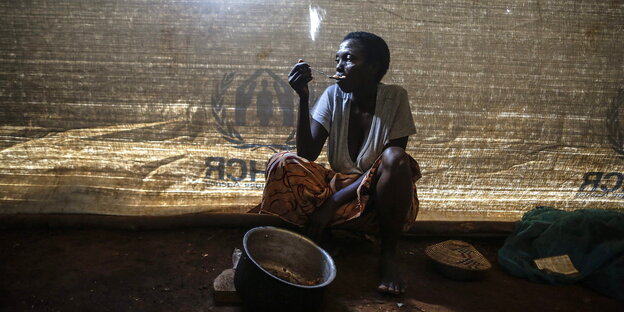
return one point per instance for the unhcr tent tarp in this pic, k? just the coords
(169, 107)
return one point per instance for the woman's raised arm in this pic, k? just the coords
(311, 135)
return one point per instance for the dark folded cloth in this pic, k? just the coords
(592, 238)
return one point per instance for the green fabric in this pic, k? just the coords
(592, 238)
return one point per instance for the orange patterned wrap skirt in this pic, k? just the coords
(295, 187)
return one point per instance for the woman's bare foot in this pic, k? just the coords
(391, 281)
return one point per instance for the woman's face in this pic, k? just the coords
(351, 63)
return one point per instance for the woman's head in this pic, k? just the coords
(375, 51)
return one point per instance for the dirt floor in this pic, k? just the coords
(173, 270)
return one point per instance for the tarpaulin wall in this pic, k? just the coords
(167, 107)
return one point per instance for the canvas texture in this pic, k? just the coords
(170, 107)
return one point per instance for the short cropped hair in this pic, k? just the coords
(375, 50)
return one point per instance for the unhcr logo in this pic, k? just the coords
(608, 184)
(264, 104)
(257, 112)
(602, 184)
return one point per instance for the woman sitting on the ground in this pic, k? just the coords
(372, 177)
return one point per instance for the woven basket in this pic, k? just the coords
(458, 260)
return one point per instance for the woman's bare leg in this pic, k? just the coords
(392, 196)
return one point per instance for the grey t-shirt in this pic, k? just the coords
(392, 120)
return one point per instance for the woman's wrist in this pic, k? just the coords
(343, 196)
(304, 99)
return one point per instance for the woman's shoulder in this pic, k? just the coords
(391, 89)
(392, 95)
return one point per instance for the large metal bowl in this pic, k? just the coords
(280, 270)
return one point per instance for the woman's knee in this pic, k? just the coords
(394, 158)
(277, 163)
(287, 163)
(281, 155)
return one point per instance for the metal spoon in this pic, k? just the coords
(328, 76)
(322, 73)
